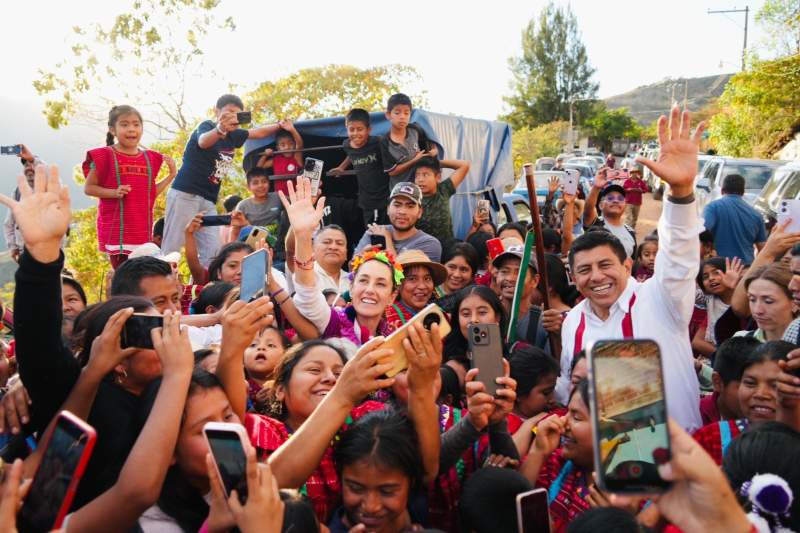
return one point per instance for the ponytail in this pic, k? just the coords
(113, 115)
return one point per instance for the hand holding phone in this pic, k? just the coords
(486, 354)
(254, 276)
(533, 514)
(789, 209)
(244, 117)
(227, 443)
(495, 247)
(377, 240)
(432, 314)
(216, 220)
(312, 169)
(569, 182)
(14, 149)
(136, 332)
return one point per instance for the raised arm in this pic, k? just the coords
(297, 458)
(568, 222)
(140, 480)
(679, 227)
(344, 165)
(288, 125)
(225, 124)
(461, 168)
(262, 131)
(590, 209)
(199, 274)
(173, 171)
(303, 326)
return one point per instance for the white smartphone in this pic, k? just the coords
(790, 209)
(533, 516)
(227, 445)
(432, 314)
(312, 169)
(569, 181)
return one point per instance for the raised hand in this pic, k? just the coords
(780, 241)
(363, 374)
(548, 434)
(173, 169)
(505, 397)
(480, 404)
(424, 352)
(242, 320)
(677, 157)
(195, 224)
(552, 185)
(304, 218)
(263, 511)
(734, 270)
(172, 344)
(601, 179)
(107, 352)
(43, 213)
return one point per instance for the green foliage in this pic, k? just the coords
(83, 259)
(606, 125)
(529, 144)
(330, 91)
(780, 20)
(759, 109)
(134, 57)
(552, 71)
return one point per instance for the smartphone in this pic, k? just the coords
(216, 220)
(483, 206)
(53, 488)
(226, 442)
(136, 332)
(486, 353)
(244, 117)
(312, 169)
(495, 247)
(629, 415)
(14, 149)
(254, 276)
(432, 314)
(569, 182)
(377, 240)
(790, 209)
(533, 515)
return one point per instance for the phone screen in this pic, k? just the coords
(216, 220)
(378, 240)
(231, 460)
(532, 512)
(53, 478)
(254, 272)
(244, 117)
(630, 415)
(136, 333)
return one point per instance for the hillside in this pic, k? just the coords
(646, 103)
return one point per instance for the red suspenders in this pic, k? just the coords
(627, 328)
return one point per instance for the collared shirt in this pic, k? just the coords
(661, 312)
(325, 281)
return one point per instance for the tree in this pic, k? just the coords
(136, 58)
(330, 91)
(781, 23)
(606, 125)
(529, 144)
(552, 71)
(759, 109)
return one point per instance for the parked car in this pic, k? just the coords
(513, 208)
(545, 163)
(783, 185)
(756, 173)
(541, 179)
(587, 161)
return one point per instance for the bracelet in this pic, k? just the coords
(682, 200)
(304, 265)
(276, 293)
(284, 300)
(219, 131)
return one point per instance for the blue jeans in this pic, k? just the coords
(181, 209)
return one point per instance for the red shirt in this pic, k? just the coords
(633, 191)
(709, 410)
(284, 164)
(715, 437)
(323, 487)
(570, 500)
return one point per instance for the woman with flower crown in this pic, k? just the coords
(375, 276)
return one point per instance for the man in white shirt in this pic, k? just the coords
(617, 306)
(611, 198)
(330, 255)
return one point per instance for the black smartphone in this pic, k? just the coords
(486, 353)
(629, 415)
(225, 442)
(14, 149)
(533, 516)
(53, 488)
(244, 117)
(378, 240)
(216, 220)
(136, 332)
(254, 276)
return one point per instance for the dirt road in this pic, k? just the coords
(648, 216)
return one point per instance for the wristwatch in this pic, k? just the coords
(220, 131)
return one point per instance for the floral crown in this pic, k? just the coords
(377, 254)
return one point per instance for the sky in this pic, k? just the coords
(460, 49)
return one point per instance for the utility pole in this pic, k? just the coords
(746, 12)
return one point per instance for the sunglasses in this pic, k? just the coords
(614, 198)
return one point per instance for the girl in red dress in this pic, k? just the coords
(123, 177)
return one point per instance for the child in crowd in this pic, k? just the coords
(718, 277)
(436, 218)
(634, 187)
(261, 209)
(406, 143)
(287, 140)
(723, 403)
(645, 259)
(758, 398)
(260, 359)
(123, 177)
(364, 155)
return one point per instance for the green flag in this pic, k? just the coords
(511, 337)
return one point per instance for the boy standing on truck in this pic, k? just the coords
(364, 155)
(406, 143)
(436, 219)
(287, 163)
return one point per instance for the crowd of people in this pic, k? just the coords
(333, 442)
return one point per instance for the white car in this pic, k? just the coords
(756, 174)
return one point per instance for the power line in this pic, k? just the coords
(746, 12)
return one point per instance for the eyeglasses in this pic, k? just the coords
(614, 198)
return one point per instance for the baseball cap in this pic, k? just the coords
(409, 190)
(613, 187)
(151, 249)
(517, 251)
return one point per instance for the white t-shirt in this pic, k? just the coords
(621, 232)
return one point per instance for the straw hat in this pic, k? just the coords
(411, 258)
(578, 203)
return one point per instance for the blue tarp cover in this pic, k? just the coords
(485, 144)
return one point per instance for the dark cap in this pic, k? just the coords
(613, 187)
(409, 190)
(515, 251)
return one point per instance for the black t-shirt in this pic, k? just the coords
(204, 169)
(373, 182)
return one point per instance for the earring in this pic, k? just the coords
(121, 377)
(276, 407)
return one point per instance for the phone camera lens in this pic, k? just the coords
(477, 339)
(476, 330)
(429, 320)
